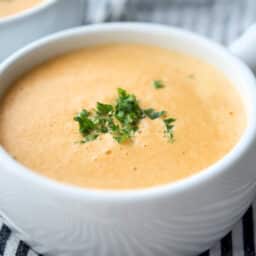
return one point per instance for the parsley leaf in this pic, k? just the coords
(169, 126)
(152, 114)
(86, 125)
(158, 84)
(90, 137)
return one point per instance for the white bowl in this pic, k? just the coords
(178, 219)
(42, 19)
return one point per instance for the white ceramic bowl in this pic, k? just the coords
(43, 19)
(179, 219)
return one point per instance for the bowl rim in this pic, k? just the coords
(27, 12)
(183, 185)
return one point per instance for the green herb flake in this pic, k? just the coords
(158, 84)
(104, 109)
(90, 137)
(169, 126)
(152, 114)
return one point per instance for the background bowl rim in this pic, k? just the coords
(27, 12)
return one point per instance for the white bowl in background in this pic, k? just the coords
(178, 219)
(45, 18)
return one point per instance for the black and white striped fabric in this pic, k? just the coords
(10, 245)
(220, 20)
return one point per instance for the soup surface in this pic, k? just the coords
(37, 126)
(11, 7)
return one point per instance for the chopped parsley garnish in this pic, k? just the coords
(121, 119)
(158, 84)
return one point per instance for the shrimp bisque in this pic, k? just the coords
(12, 7)
(121, 116)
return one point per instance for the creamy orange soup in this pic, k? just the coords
(11, 7)
(37, 126)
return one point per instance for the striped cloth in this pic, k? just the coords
(221, 20)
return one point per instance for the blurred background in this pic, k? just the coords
(221, 20)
